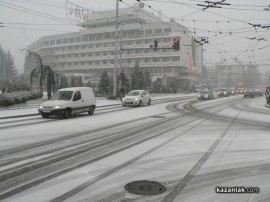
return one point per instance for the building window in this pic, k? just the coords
(98, 45)
(83, 54)
(158, 31)
(166, 59)
(58, 41)
(65, 40)
(76, 55)
(70, 47)
(97, 54)
(149, 31)
(167, 30)
(71, 40)
(89, 62)
(46, 43)
(104, 62)
(75, 63)
(84, 38)
(69, 56)
(155, 59)
(91, 46)
(97, 62)
(166, 40)
(111, 61)
(78, 39)
(105, 53)
(175, 59)
(63, 48)
(82, 63)
(89, 54)
(146, 60)
(52, 42)
(63, 56)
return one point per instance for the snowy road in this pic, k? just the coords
(187, 145)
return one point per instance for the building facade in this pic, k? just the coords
(88, 53)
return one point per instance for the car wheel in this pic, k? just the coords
(149, 102)
(140, 104)
(91, 111)
(45, 115)
(67, 114)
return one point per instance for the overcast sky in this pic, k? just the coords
(231, 37)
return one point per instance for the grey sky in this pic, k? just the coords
(230, 35)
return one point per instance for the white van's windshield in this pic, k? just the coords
(62, 95)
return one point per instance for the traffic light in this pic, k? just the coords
(155, 45)
(176, 44)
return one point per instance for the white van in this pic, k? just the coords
(68, 101)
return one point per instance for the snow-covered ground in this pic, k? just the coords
(205, 152)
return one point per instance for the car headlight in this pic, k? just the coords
(136, 99)
(40, 107)
(225, 93)
(57, 107)
(206, 95)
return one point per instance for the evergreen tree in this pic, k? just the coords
(105, 84)
(89, 84)
(138, 80)
(148, 79)
(126, 83)
(157, 86)
(63, 82)
(8, 70)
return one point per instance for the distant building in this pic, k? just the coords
(88, 53)
(233, 76)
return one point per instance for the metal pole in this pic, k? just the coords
(4, 67)
(121, 69)
(115, 49)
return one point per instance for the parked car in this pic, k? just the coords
(249, 93)
(223, 92)
(68, 101)
(206, 95)
(137, 98)
(258, 92)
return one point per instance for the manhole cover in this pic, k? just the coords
(145, 187)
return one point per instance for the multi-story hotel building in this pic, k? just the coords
(91, 51)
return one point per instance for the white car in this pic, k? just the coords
(68, 101)
(137, 98)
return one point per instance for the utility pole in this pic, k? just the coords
(4, 67)
(121, 69)
(115, 49)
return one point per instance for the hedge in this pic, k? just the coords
(8, 99)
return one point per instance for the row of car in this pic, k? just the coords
(69, 101)
(225, 92)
